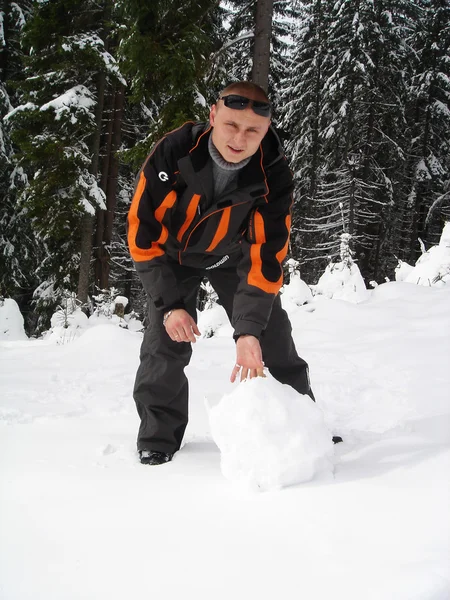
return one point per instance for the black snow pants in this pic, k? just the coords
(161, 387)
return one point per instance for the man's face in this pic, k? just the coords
(237, 134)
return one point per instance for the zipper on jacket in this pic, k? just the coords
(251, 228)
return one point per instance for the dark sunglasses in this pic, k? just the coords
(237, 102)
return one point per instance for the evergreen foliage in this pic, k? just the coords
(164, 51)
(17, 244)
(346, 102)
(53, 128)
(428, 115)
(361, 91)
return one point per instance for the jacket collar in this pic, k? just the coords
(196, 166)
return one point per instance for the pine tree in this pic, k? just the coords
(346, 111)
(55, 128)
(164, 51)
(17, 245)
(304, 117)
(236, 58)
(428, 201)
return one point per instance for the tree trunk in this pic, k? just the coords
(87, 225)
(111, 188)
(100, 256)
(419, 211)
(261, 50)
(315, 146)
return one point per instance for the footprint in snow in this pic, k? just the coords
(109, 449)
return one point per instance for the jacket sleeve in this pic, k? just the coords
(264, 250)
(153, 196)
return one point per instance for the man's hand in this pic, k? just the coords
(248, 357)
(181, 327)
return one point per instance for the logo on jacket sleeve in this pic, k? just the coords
(163, 176)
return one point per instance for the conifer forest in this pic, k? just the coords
(361, 95)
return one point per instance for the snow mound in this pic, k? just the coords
(104, 335)
(66, 326)
(297, 291)
(270, 436)
(403, 291)
(342, 282)
(402, 270)
(433, 267)
(11, 321)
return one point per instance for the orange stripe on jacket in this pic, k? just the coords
(190, 214)
(221, 229)
(281, 255)
(141, 254)
(255, 276)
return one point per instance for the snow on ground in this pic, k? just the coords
(81, 519)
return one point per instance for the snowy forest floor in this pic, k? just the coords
(81, 519)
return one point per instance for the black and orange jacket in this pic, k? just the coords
(174, 218)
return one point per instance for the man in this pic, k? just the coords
(211, 200)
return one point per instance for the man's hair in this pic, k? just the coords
(245, 87)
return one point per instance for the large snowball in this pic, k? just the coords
(270, 436)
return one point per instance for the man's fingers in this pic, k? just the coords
(250, 362)
(195, 329)
(180, 335)
(181, 327)
(252, 373)
(189, 331)
(184, 333)
(244, 374)
(234, 373)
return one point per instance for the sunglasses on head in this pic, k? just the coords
(237, 102)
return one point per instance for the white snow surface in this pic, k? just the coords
(214, 322)
(81, 519)
(270, 436)
(76, 98)
(27, 106)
